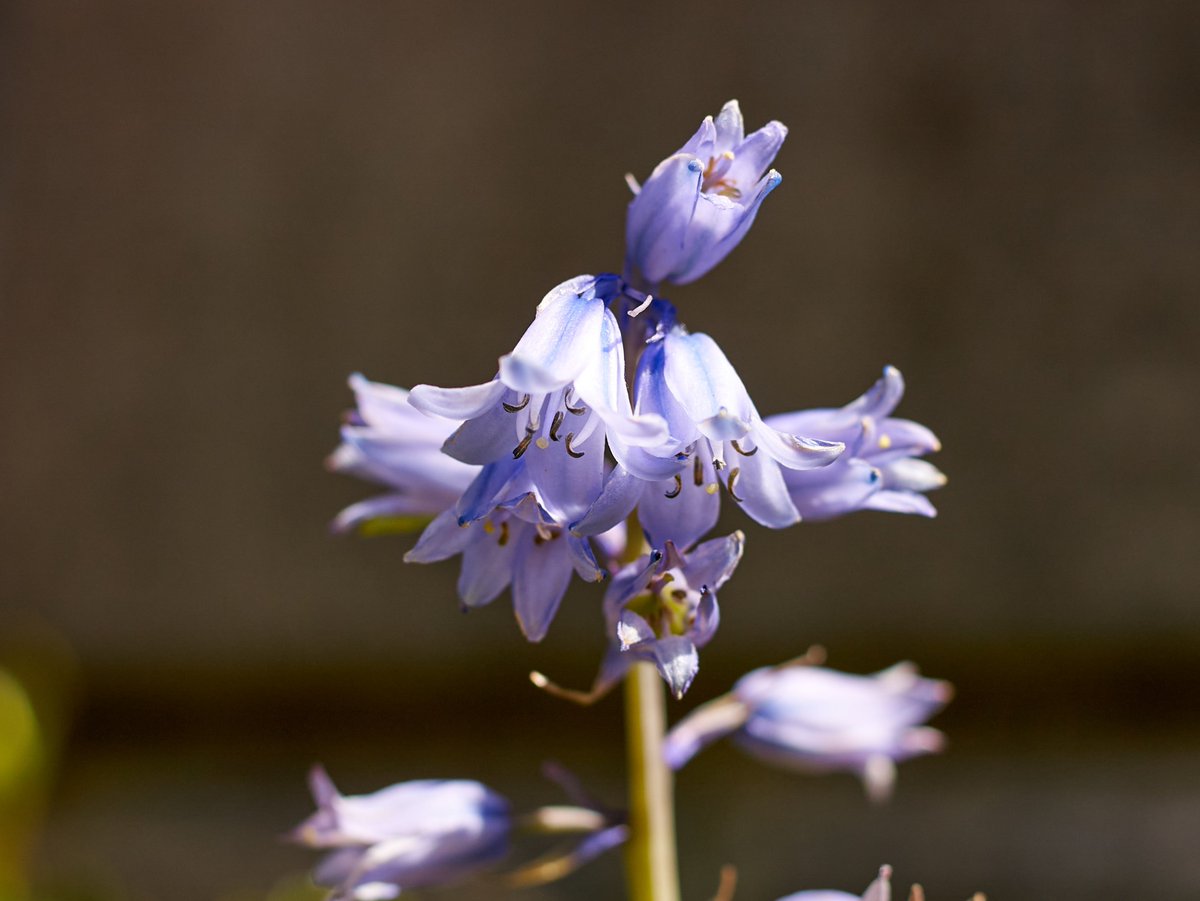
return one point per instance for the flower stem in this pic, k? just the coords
(650, 861)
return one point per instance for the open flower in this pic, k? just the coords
(699, 203)
(386, 440)
(880, 469)
(813, 719)
(558, 396)
(716, 436)
(411, 835)
(516, 543)
(879, 890)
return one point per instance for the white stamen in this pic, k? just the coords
(641, 307)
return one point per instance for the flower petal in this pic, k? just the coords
(702, 727)
(657, 222)
(793, 451)
(706, 385)
(901, 502)
(708, 617)
(541, 575)
(486, 490)
(759, 483)
(456, 403)
(677, 662)
(567, 485)
(713, 562)
(559, 343)
(442, 538)
(621, 493)
(756, 153)
(686, 517)
(482, 439)
(487, 562)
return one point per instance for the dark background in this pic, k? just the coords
(213, 211)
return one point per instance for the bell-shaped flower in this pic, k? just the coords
(513, 543)
(879, 890)
(880, 469)
(557, 398)
(717, 439)
(408, 836)
(813, 719)
(386, 440)
(699, 203)
(661, 609)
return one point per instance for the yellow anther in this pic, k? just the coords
(885, 441)
(542, 443)
(712, 487)
(488, 526)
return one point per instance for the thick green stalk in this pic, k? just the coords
(650, 861)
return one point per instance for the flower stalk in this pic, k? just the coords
(650, 860)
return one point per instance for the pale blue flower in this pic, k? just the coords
(880, 469)
(879, 890)
(813, 719)
(663, 609)
(385, 440)
(717, 441)
(515, 543)
(408, 836)
(699, 203)
(558, 397)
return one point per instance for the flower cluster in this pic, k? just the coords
(602, 447)
(609, 411)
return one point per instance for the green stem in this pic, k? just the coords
(650, 861)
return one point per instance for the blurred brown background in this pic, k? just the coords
(212, 212)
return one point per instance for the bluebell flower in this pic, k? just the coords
(411, 835)
(699, 203)
(717, 440)
(558, 397)
(880, 469)
(386, 440)
(818, 720)
(515, 543)
(879, 890)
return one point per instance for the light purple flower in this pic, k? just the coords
(414, 834)
(663, 609)
(387, 441)
(518, 544)
(699, 203)
(880, 469)
(813, 719)
(879, 890)
(557, 398)
(716, 436)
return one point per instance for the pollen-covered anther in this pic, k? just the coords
(745, 453)
(556, 425)
(674, 492)
(575, 411)
(524, 445)
(732, 481)
(518, 407)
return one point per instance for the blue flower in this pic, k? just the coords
(699, 203)
(411, 835)
(880, 469)
(879, 890)
(389, 442)
(813, 719)
(558, 397)
(716, 436)
(516, 543)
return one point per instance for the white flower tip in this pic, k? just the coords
(627, 635)
(632, 182)
(925, 740)
(732, 106)
(538, 679)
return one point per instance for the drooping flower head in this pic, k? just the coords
(880, 469)
(813, 719)
(716, 435)
(699, 203)
(411, 835)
